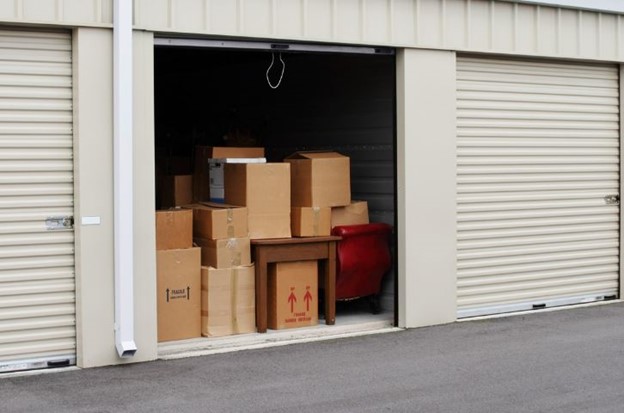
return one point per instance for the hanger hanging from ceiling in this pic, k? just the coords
(279, 82)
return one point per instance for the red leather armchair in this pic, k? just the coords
(363, 260)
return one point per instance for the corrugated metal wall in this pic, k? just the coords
(538, 151)
(466, 25)
(64, 12)
(37, 298)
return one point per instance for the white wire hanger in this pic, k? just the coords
(279, 82)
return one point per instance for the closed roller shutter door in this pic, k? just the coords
(37, 298)
(538, 152)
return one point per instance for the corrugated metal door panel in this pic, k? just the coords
(37, 282)
(537, 152)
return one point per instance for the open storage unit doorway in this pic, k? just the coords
(217, 93)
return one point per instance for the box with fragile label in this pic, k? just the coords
(320, 179)
(310, 221)
(174, 229)
(224, 253)
(176, 190)
(178, 287)
(215, 221)
(264, 188)
(355, 213)
(293, 294)
(228, 301)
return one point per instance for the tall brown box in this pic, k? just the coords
(201, 178)
(174, 229)
(320, 179)
(355, 213)
(293, 294)
(310, 221)
(216, 221)
(224, 253)
(179, 298)
(264, 188)
(228, 301)
(176, 190)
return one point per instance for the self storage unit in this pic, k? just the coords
(488, 132)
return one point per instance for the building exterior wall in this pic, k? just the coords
(93, 158)
(426, 187)
(57, 12)
(427, 34)
(462, 25)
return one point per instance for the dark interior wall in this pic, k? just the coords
(325, 101)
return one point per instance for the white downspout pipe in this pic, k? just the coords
(123, 179)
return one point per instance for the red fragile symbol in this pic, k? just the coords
(307, 298)
(292, 300)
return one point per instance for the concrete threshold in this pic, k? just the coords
(273, 338)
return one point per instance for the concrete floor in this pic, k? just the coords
(563, 361)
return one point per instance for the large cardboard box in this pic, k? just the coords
(201, 178)
(174, 229)
(228, 301)
(179, 298)
(293, 294)
(216, 221)
(265, 190)
(224, 253)
(320, 179)
(310, 221)
(216, 168)
(176, 190)
(355, 213)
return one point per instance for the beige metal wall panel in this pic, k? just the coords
(426, 201)
(58, 12)
(37, 283)
(488, 26)
(537, 152)
(93, 105)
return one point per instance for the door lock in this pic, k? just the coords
(612, 199)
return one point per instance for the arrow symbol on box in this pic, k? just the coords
(188, 293)
(307, 298)
(167, 295)
(292, 300)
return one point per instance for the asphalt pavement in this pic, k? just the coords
(563, 361)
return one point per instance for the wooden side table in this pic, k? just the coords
(266, 251)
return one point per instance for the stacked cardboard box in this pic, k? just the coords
(201, 174)
(178, 276)
(264, 188)
(320, 182)
(355, 213)
(227, 274)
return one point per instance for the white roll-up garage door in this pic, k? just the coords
(538, 184)
(37, 297)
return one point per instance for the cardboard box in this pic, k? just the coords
(310, 221)
(228, 301)
(216, 168)
(265, 190)
(216, 221)
(174, 229)
(176, 190)
(293, 294)
(201, 178)
(320, 179)
(354, 214)
(179, 298)
(224, 253)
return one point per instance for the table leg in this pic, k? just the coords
(261, 290)
(329, 274)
